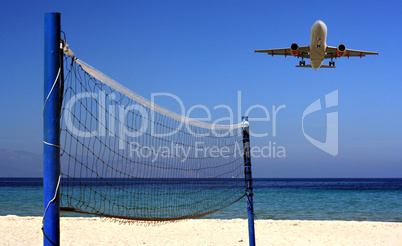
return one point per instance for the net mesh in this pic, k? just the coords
(124, 157)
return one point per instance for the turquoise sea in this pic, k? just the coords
(279, 199)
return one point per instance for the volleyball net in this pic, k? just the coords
(110, 152)
(124, 156)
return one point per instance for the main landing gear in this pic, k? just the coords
(302, 63)
(332, 63)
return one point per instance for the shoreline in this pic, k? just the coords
(23, 230)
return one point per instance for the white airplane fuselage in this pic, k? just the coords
(318, 44)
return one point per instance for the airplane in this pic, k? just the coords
(318, 50)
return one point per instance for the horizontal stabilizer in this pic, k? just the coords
(322, 66)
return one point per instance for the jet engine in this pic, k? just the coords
(340, 50)
(294, 49)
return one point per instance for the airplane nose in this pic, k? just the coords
(320, 24)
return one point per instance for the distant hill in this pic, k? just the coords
(20, 164)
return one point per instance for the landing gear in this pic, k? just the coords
(318, 42)
(332, 63)
(302, 63)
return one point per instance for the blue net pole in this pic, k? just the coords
(51, 130)
(248, 180)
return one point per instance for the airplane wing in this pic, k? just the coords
(286, 51)
(331, 53)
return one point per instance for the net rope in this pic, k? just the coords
(123, 156)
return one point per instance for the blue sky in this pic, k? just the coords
(202, 51)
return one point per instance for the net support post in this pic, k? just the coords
(51, 130)
(248, 179)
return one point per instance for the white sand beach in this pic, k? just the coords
(97, 231)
